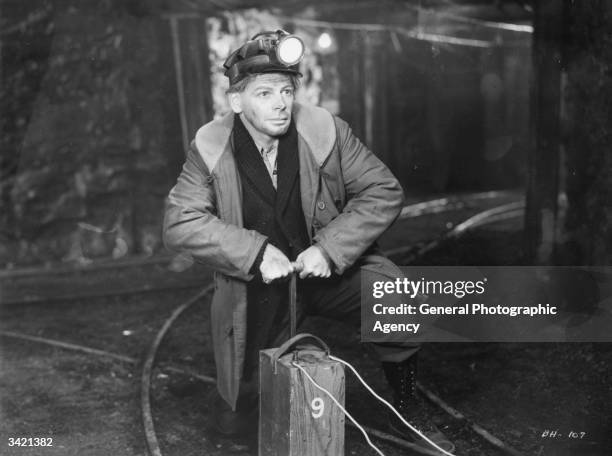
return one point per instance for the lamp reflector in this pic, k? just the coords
(290, 50)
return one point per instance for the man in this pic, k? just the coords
(274, 188)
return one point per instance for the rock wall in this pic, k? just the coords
(86, 169)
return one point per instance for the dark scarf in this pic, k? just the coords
(276, 214)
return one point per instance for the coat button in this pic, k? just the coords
(321, 205)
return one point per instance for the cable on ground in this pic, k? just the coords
(211, 380)
(390, 407)
(169, 368)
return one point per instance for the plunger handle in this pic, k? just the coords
(293, 305)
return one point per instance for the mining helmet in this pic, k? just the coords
(266, 52)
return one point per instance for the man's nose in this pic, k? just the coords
(280, 102)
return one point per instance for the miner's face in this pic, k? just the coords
(266, 103)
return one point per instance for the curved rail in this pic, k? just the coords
(504, 212)
(147, 369)
(169, 368)
(448, 203)
(499, 213)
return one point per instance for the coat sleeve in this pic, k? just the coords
(191, 224)
(374, 201)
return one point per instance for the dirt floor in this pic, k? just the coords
(89, 403)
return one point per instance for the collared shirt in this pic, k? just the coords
(269, 157)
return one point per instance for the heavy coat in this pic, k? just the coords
(349, 197)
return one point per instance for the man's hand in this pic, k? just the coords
(313, 263)
(274, 265)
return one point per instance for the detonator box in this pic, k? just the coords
(295, 417)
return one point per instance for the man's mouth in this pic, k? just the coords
(279, 121)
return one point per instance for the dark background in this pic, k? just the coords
(496, 115)
(99, 99)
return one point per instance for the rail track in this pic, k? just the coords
(407, 254)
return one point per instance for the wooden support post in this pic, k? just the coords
(295, 417)
(543, 184)
(351, 73)
(192, 67)
(180, 89)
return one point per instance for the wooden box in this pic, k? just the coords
(296, 418)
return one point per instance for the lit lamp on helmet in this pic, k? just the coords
(290, 50)
(266, 52)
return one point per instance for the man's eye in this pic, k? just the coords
(288, 92)
(264, 94)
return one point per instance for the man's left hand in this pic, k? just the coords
(313, 263)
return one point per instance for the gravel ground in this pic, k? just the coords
(90, 404)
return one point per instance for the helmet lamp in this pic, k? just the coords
(290, 50)
(266, 52)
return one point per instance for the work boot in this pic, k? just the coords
(241, 422)
(406, 400)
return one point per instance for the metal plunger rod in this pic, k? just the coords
(293, 305)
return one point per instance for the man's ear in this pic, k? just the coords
(235, 102)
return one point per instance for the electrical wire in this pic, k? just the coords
(410, 426)
(173, 369)
(152, 442)
(335, 401)
(169, 368)
(211, 380)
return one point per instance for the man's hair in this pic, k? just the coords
(244, 82)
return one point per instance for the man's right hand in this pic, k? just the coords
(274, 265)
